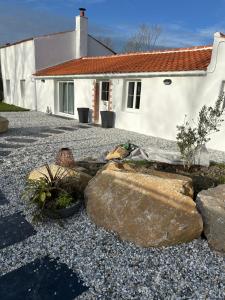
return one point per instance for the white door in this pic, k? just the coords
(66, 97)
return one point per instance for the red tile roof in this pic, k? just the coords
(182, 59)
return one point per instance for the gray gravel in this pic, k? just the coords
(113, 269)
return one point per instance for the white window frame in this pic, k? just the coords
(100, 90)
(133, 109)
(60, 112)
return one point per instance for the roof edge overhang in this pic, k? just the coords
(125, 75)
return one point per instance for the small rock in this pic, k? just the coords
(4, 123)
(118, 153)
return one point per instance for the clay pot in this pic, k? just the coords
(65, 158)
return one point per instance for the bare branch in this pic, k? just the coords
(144, 39)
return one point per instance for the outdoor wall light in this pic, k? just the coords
(42, 80)
(167, 81)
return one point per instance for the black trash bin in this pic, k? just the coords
(108, 119)
(83, 113)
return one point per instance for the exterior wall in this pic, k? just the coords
(54, 49)
(18, 63)
(96, 49)
(83, 94)
(163, 107)
(46, 96)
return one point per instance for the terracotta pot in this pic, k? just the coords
(65, 158)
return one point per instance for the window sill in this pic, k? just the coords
(72, 116)
(132, 111)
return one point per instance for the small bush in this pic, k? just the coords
(64, 200)
(189, 138)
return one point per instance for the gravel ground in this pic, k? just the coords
(112, 269)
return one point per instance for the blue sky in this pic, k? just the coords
(184, 23)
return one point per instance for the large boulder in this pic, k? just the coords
(148, 209)
(4, 123)
(71, 177)
(211, 204)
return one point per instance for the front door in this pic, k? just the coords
(66, 97)
(101, 99)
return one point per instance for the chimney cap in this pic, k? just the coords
(82, 11)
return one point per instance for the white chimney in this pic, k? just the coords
(81, 34)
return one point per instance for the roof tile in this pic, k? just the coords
(186, 59)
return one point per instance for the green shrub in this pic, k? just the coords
(189, 138)
(64, 200)
(46, 191)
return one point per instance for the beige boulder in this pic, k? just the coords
(147, 209)
(73, 177)
(4, 123)
(211, 204)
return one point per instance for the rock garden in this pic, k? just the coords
(127, 225)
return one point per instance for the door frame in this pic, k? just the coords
(98, 103)
(58, 99)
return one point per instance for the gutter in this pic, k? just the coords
(126, 75)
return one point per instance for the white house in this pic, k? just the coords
(149, 92)
(20, 60)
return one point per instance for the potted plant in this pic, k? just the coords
(107, 117)
(52, 194)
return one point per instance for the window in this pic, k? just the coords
(66, 97)
(22, 88)
(133, 94)
(105, 90)
(8, 89)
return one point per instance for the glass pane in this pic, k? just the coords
(61, 96)
(138, 88)
(137, 104)
(105, 91)
(131, 88)
(105, 96)
(65, 104)
(138, 95)
(71, 98)
(130, 101)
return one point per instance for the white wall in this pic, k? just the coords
(162, 107)
(18, 63)
(83, 94)
(54, 49)
(45, 95)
